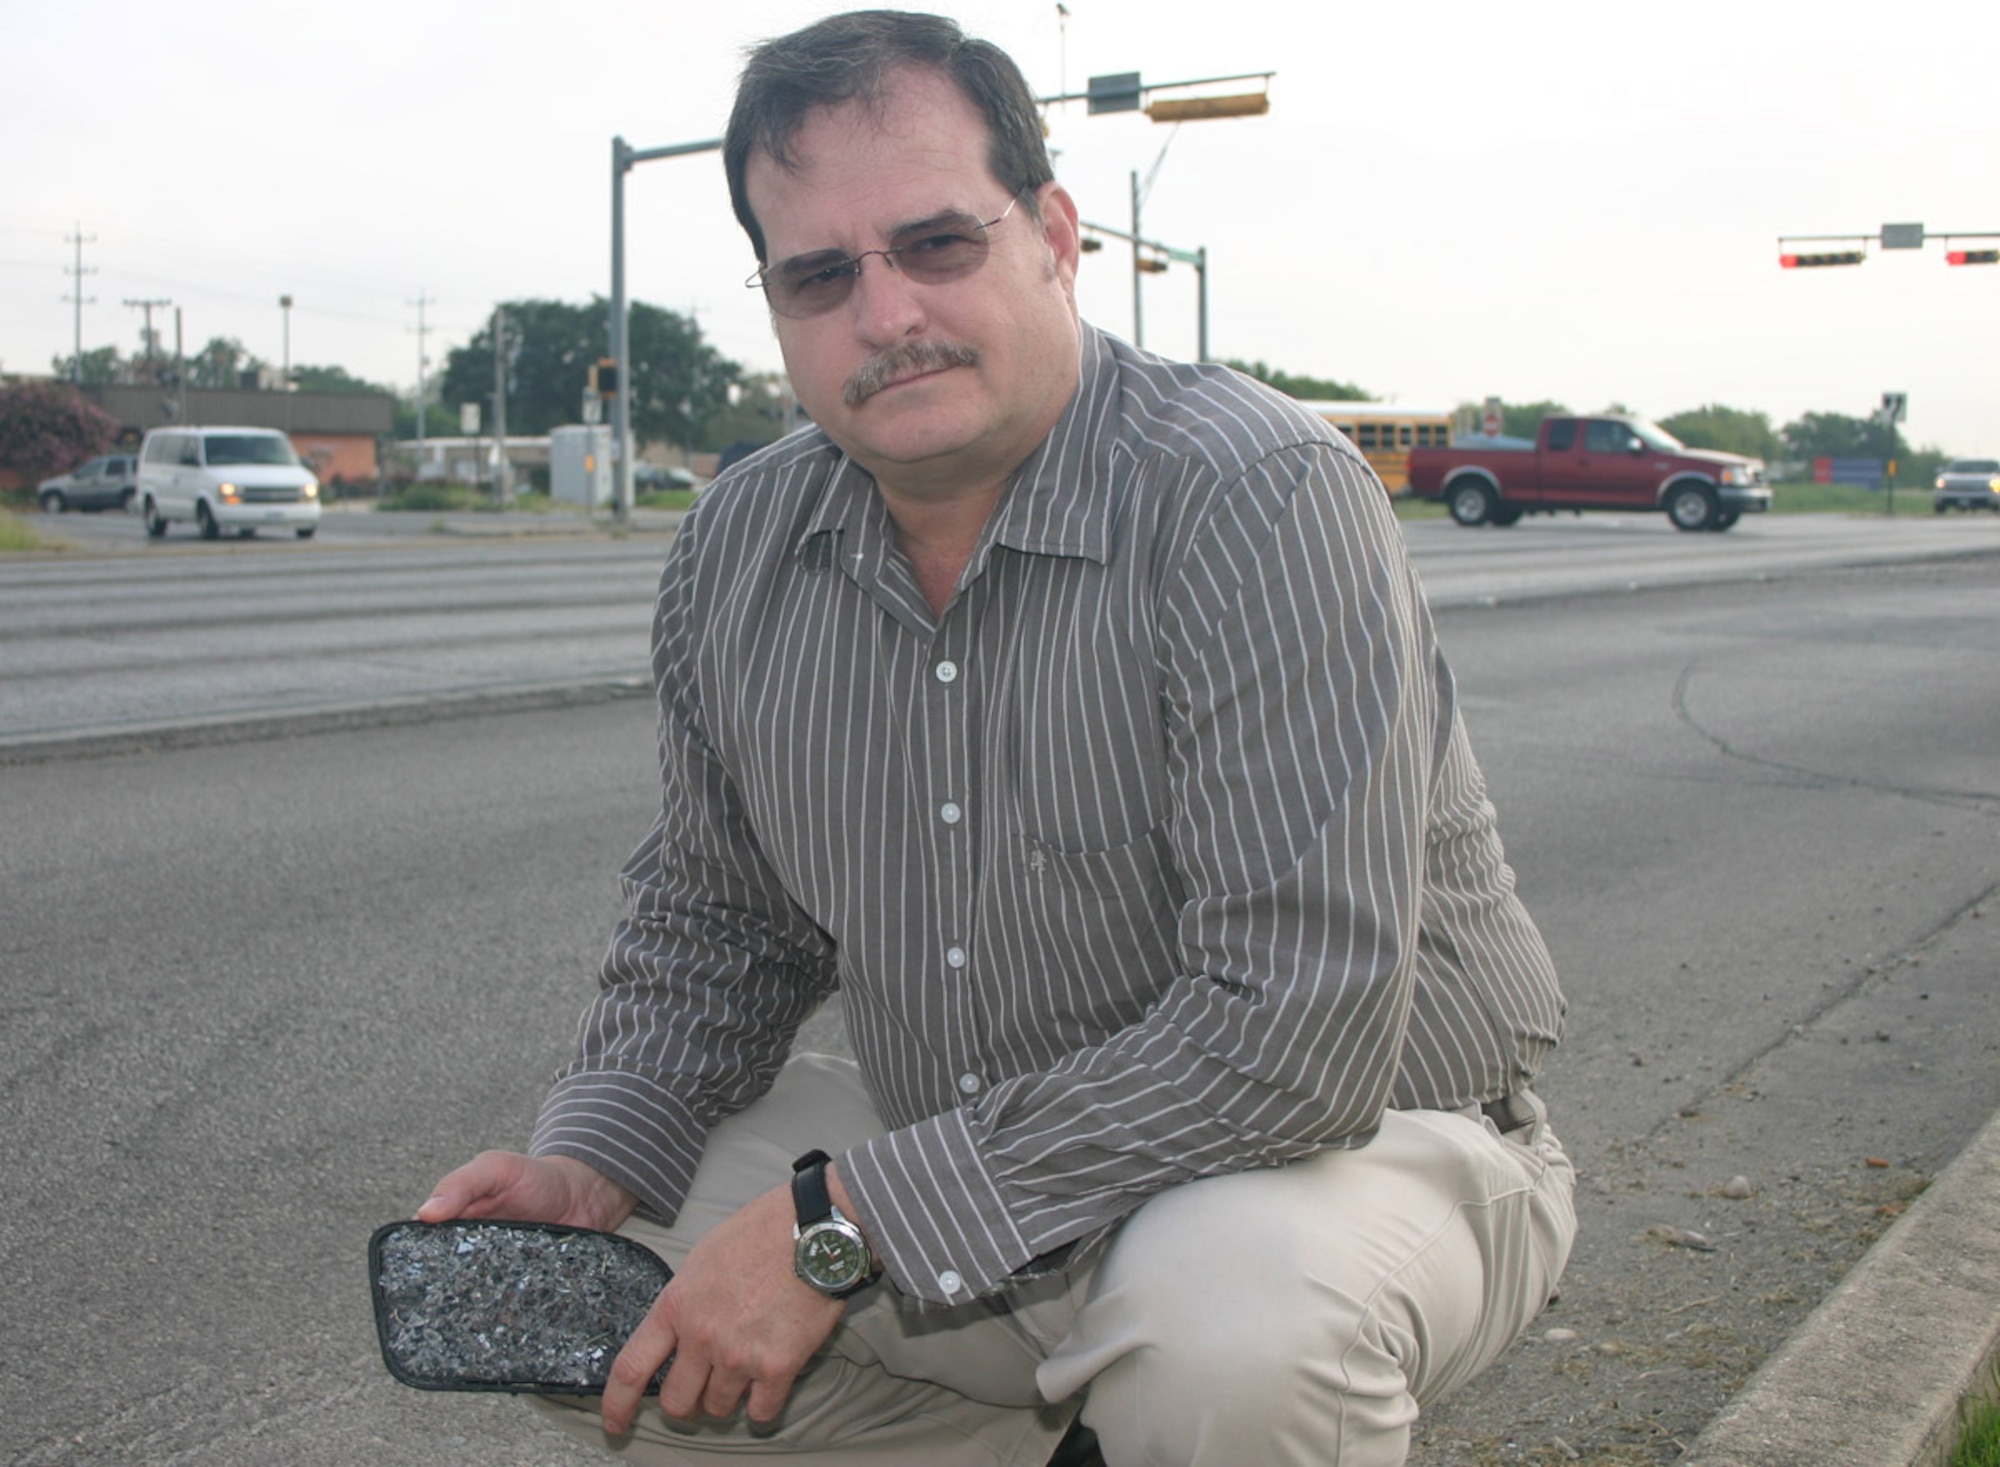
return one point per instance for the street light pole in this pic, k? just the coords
(623, 156)
(1138, 270)
(1198, 258)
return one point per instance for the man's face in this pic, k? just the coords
(978, 368)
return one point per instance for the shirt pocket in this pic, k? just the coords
(1131, 870)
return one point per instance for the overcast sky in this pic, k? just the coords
(1446, 201)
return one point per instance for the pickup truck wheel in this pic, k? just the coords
(210, 530)
(1724, 520)
(1506, 514)
(1473, 504)
(1692, 507)
(52, 501)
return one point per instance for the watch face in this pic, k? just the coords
(832, 1256)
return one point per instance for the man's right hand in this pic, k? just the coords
(555, 1189)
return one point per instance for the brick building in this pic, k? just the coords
(335, 433)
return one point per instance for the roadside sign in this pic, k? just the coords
(468, 418)
(1490, 421)
(1893, 406)
(1902, 236)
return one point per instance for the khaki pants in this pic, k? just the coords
(1297, 1315)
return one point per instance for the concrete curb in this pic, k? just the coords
(1876, 1376)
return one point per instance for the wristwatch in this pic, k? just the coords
(828, 1251)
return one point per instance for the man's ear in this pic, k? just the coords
(1061, 228)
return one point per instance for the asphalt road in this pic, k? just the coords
(255, 994)
(122, 634)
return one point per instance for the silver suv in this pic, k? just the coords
(1968, 483)
(107, 482)
(238, 479)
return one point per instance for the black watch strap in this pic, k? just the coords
(809, 1191)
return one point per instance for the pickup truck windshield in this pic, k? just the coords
(250, 448)
(1654, 436)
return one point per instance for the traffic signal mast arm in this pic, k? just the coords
(1892, 237)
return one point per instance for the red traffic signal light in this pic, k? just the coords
(1972, 257)
(1813, 262)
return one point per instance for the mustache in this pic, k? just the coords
(907, 359)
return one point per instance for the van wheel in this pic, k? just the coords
(156, 524)
(210, 530)
(1473, 504)
(307, 532)
(1692, 507)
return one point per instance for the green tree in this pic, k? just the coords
(1517, 419)
(100, 366)
(1727, 430)
(755, 414)
(221, 363)
(1835, 435)
(334, 379)
(1306, 389)
(440, 421)
(679, 383)
(48, 427)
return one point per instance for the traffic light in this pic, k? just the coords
(1813, 262)
(1151, 265)
(1972, 257)
(1201, 109)
(604, 377)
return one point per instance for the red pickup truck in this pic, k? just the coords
(1606, 462)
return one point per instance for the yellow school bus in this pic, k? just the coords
(1385, 432)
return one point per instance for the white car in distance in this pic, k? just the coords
(237, 479)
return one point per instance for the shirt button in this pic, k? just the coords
(950, 1282)
(969, 1083)
(947, 672)
(955, 956)
(950, 813)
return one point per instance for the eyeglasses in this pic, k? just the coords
(948, 247)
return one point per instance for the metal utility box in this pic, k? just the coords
(580, 465)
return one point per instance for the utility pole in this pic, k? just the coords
(76, 295)
(502, 478)
(285, 381)
(180, 372)
(423, 361)
(152, 342)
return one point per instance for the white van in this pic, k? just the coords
(241, 479)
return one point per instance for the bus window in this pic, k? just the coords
(1367, 439)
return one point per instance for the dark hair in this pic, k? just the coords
(854, 58)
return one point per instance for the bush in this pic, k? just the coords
(431, 498)
(48, 427)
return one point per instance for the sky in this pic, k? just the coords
(1571, 202)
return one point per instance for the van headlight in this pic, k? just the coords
(228, 493)
(311, 490)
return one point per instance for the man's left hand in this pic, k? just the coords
(736, 1320)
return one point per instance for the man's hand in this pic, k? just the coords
(736, 1320)
(554, 1189)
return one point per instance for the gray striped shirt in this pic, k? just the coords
(1161, 853)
